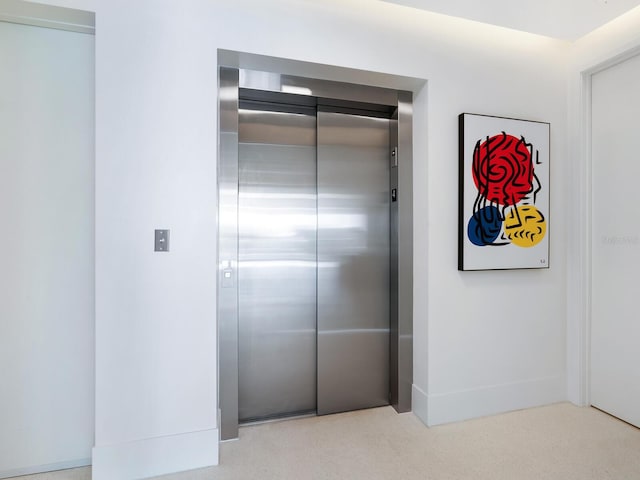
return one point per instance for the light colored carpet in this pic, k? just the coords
(557, 442)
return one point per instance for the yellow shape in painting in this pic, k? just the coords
(525, 226)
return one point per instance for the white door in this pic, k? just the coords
(615, 335)
(46, 248)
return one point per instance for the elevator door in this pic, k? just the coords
(353, 262)
(276, 264)
(313, 253)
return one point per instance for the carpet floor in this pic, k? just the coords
(556, 442)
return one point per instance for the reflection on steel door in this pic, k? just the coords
(277, 264)
(353, 262)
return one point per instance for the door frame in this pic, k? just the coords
(580, 259)
(230, 79)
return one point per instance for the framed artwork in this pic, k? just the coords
(503, 219)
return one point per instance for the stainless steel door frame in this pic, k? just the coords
(402, 313)
(230, 80)
(227, 286)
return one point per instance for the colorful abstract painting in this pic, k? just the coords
(504, 193)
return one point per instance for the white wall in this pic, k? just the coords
(155, 168)
(46, 249)
(484, 341)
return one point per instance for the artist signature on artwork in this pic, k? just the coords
(621, 240)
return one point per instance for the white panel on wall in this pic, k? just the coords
(615, 334)
(46, 248)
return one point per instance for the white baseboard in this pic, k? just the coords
(156, 456)
(419, 403)
(481, 402)
(49, 467)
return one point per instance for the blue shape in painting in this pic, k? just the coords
(484, 226)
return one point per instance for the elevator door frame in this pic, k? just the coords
(231, 80)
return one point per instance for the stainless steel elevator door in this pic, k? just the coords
(353, 262)
(277, 264)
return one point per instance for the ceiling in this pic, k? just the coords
(565, 19)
